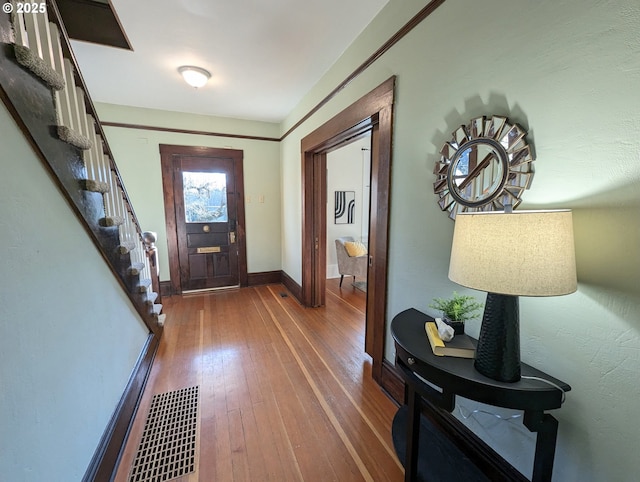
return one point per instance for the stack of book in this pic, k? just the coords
(459, 346)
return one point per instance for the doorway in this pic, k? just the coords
(371, 114)
(348, 188)
(204, 211)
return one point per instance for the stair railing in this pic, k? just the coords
(42, 46)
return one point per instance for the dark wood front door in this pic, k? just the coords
(205, 198)
(207, 209)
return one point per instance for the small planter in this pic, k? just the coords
(458, 326)
(456, 310)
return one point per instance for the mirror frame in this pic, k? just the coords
(514, 154)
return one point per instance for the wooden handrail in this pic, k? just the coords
(79, 155)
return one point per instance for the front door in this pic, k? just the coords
(205, 217)
(206, 221)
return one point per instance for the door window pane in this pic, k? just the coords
(205, 197)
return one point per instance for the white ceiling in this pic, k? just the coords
(264, 55)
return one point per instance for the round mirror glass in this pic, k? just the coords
(477, 172)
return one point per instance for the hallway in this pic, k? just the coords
(285, 392)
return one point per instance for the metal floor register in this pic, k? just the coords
(168, 446)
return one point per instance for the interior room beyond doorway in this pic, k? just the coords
(348, 200)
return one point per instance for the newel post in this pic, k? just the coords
(149, 238)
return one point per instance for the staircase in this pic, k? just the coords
(43, 89)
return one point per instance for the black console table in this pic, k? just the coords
(457, 376)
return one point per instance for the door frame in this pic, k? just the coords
(374, 113)
(167, 154)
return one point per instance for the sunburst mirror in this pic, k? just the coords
(486, 166)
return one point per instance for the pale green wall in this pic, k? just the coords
(137, 155)
(569, 72)
(69, 336)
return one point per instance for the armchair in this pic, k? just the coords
(355, 266)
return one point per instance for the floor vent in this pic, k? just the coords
(168, 446)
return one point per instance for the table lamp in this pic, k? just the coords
(528, 253)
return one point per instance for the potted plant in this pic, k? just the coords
(457, 309)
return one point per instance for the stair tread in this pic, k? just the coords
(144, 285)
(151, 297)
(126, 247)
(110, 221)
(95, 185)
(161, 319)
(136, 268)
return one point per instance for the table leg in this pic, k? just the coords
(546, 428)
(413, 435)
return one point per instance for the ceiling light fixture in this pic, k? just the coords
(194, 76)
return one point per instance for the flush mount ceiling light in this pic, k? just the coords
(194, 76)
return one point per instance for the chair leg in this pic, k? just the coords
(341, 278)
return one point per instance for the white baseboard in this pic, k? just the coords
(332, 271)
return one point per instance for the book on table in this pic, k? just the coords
(460, 346)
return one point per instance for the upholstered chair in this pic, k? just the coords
(355, 266)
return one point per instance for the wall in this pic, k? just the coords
(137, 155)
(69, 336)
(567, 71)
(348, 169)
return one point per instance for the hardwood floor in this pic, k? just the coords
(285, 391)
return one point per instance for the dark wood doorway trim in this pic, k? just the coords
(167, 152)
(372, 113)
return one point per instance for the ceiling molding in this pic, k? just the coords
(188, 131)
(408, 27)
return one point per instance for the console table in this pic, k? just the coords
(457, 376)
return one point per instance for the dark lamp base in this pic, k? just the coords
(498, 350)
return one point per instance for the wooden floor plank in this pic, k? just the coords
(285, 391)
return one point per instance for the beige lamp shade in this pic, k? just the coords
(528, 253)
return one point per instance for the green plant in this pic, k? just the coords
(458, 307)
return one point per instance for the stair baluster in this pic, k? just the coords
(42, 47)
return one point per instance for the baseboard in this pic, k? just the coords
(254, 279)
(105, 459)
(292, 286)
(264, 278)
(166, 289)
(484, 457)
(392, 382)
(332, 271)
